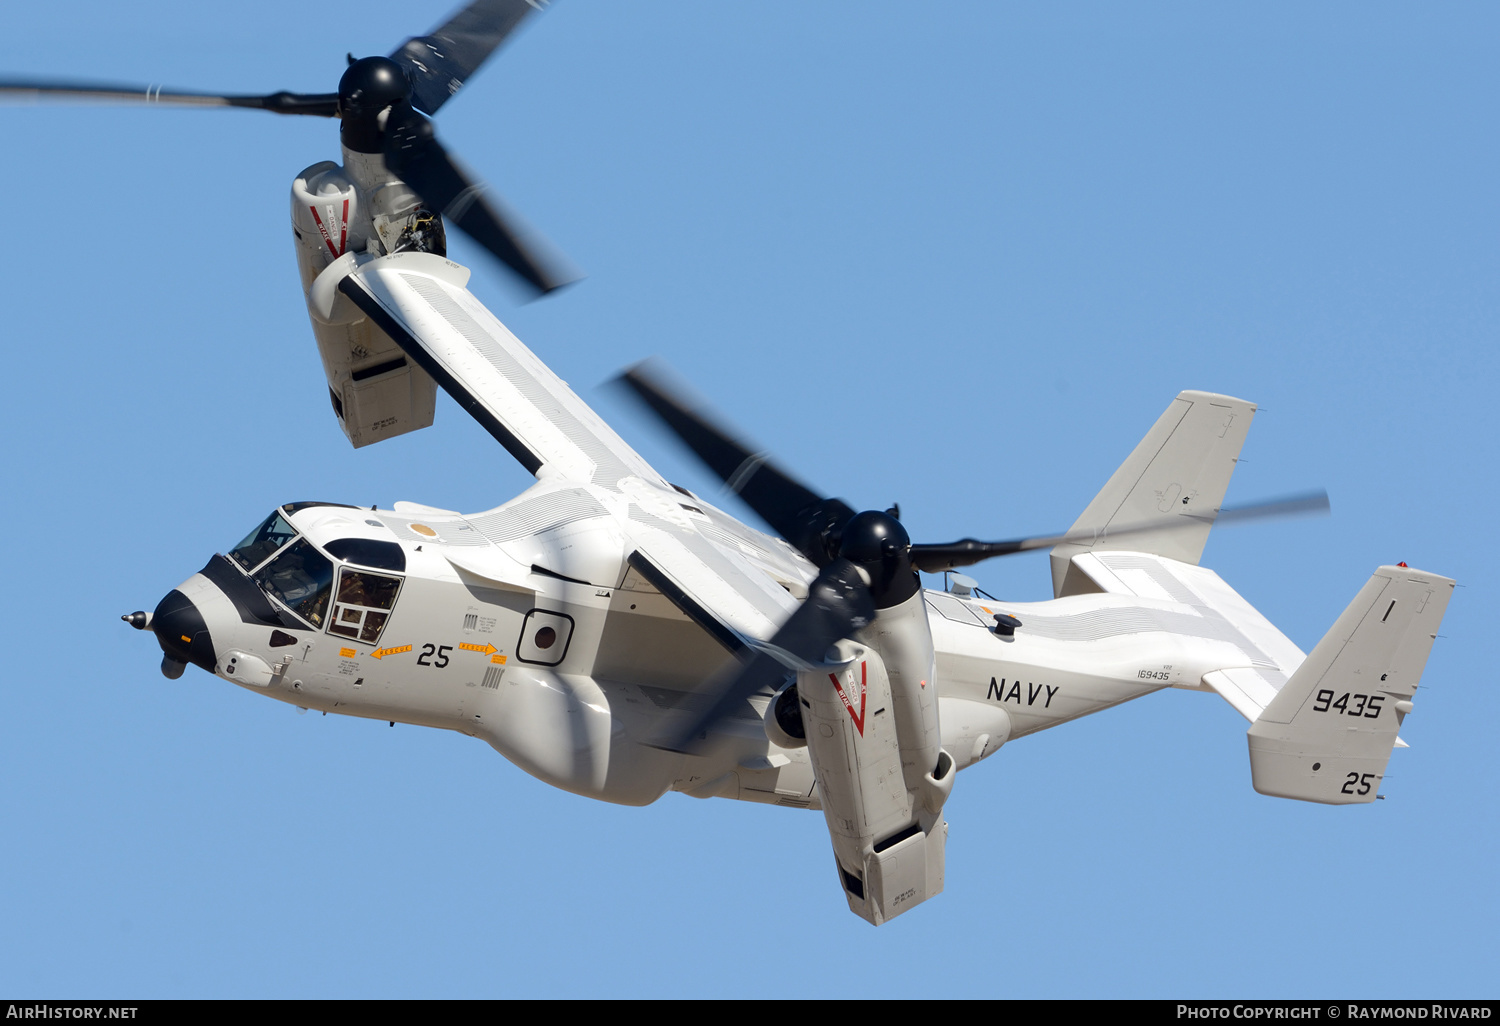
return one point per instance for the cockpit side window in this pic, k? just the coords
(363, 604)
(302, 578)
(382, 555)
(262, 542)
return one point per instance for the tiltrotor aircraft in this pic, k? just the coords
(618, 636)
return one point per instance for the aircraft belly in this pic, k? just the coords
(768, 780)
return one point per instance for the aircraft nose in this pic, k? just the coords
(182, 634)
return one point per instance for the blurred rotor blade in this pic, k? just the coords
(838, 604)
(413, 153)
(934, 559)
(1288, 506)
(323, 105)
(444, 59)
(793, 510)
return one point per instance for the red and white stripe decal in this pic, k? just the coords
(338, 250)
(857, 717)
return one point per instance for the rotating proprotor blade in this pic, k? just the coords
(814, 525)
(936, 558)
(838, 604)
(379, 103)
(413, 153)
(322, 105)
(436, 65)
(433, 68)
(871, 572)
(797, 513)
(443, 60)
(863, 557)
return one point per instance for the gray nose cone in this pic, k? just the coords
(182, 634)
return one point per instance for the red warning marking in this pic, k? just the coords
(338, 250)
(857, 717)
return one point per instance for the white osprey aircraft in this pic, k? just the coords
(619, 637)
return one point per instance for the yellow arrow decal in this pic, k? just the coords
(486, 649)
(383, 652)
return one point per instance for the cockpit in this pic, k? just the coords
(301, 578)
(301, 569)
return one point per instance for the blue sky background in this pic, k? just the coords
(957, 255)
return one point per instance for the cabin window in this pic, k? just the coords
(301, 577)
(363, 604)
(544, 637)
(263, 542)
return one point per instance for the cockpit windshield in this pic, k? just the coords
(301, 577)
(260, 543)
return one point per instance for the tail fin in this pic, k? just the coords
(1328, 733)
(1178, 474)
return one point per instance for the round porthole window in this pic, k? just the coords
(544, 638)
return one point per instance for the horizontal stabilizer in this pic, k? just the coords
(1245, 688)
(1328, 733)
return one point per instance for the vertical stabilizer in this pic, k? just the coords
(1328, 733)
(1177, 475)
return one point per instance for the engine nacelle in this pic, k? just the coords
(887, 840)
(327, 214)
(376, 391)
(903, 638)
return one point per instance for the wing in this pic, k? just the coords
(735, 582)
(419, 300)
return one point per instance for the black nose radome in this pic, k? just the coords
(181, 632)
